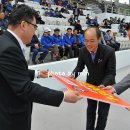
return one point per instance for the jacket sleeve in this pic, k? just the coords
(31, 74)
(64, 41)
(17, 76)
(80, 65)
(123, 85)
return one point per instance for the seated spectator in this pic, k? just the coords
(122, 30)
(47, 42)
(58, 13)
(9, 7)
(81, 38)
(1, 8)
(37, 47)
(69, 6)
(110, 41)
(105, 24)
(78, 26)
(64, 10)
(102, 38)
(76, 13)
(112, 20)
(88, 20)
(57, 39)
(114, 8)
(81, 12)
(78, 43)
(71, 20)
(119, 20)
(94, 22)
(46, 13)
(69, 40)
(3, 21)
(102, 6)
(109, 8)
(115, 20)
(51, 13)
(123, 20)
(39, 19)
(114, 40)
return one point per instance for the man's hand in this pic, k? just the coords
(69, 46)
(71, 76)
(109, 89)
(36, 46)
(43, 74)
(128, 108)
(71, 96)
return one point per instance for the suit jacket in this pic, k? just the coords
(17, 91)
(103, 70)
(123, 85)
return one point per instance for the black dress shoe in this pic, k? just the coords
(40, 61)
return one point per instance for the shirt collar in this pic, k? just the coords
(93, 52)
(22, 45)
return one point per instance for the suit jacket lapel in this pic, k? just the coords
(88, 56)
(99, 54)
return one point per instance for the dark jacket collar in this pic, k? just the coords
(8, 34)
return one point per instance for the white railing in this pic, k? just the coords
(67, 66)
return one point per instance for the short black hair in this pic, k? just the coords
(108, 31)
(98, 32)
(56, 30)
(75, 29)
(69, 29)
(22, 13)
(128, 26)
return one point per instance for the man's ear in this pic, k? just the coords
(23, 25)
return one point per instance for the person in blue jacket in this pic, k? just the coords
(57, 39)
(35, 48)
(69, 42)
(79, 41)
(47, 42)
(81, 38)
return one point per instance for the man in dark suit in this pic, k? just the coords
(101, 64)
(17, 91)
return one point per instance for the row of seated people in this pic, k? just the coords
(110, 39)
(60, 47)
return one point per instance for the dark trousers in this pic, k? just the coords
(42, 55)
(76, 17)
(69, 50)
(61, 51)
(103, 110)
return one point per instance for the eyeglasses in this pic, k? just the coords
(35, 26)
